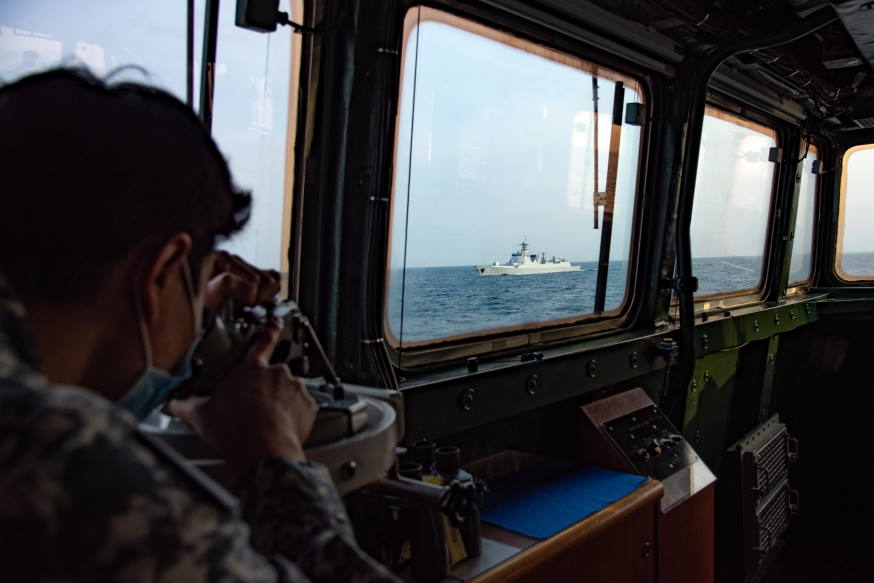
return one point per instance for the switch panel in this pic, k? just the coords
(650, 443)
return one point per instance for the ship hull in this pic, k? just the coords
(485, 270)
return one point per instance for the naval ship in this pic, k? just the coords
(523, 263)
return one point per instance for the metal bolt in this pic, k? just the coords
(791, 315)
(707, 376)
(347, 472)
(771, 359)
(592, 368)
(756, 325)
(532, 383)
(467, 399)
(693, 386)
(777, 319)
(634, 360)
(705, 342)
(807, 309)
(646, 551)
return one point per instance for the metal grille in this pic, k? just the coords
(771, 463)
(766, 500)
(773, 519)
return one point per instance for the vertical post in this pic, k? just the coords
(189, 54)
(596, 195)
(207, 69)
(609, 197)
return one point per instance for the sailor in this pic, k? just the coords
(113, 199)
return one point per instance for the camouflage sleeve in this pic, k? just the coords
(294, 511)
(82, 498)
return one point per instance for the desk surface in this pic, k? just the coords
(507, 555)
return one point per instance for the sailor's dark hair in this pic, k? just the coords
(90, 170)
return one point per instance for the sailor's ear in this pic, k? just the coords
(159, 272)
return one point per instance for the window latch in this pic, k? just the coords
(681, 284)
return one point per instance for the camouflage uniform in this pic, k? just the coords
(84, 496)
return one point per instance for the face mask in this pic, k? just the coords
(154, 385)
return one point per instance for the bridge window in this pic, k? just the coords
(500, 158)
(251, 126)
(855, 257)
(802, 245)
(732, 203)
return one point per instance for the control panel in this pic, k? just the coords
(650, 443)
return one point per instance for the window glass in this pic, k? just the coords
(98, 34)
(250, 125)
(855, 258)
(802, 245)
(732, 202)
(495, 166)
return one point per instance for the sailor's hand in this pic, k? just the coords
(235, 279)
(258, 411)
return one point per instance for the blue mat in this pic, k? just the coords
(547, 498)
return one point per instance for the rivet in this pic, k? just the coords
(466, 400)
(348, 471)
(706, 376)
(756, 325)
(693, 386)
(791, 315)
(705, 342)
(807, 309)
(646, 551)
(634, 360)
(532, 383)
(777, 319)
(592, 368)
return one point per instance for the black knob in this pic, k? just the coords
(423, 452)
(448, 460)
(412, 470)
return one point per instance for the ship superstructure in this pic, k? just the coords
(522, 262)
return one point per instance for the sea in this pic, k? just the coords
(428, 303)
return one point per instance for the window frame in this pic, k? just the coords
(494, 341)
(794, 287)
(750, 295)
(842, 276)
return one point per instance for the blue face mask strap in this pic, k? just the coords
(195, 319)
(144, 335)
(196, 316)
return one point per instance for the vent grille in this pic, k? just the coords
(771, 463)
(766, 501)
(865, 122)
(773, 519)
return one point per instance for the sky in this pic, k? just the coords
(250, 109)
(499, 147)
(859, 203)
(501, 150)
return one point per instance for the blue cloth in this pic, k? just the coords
(547, 498)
